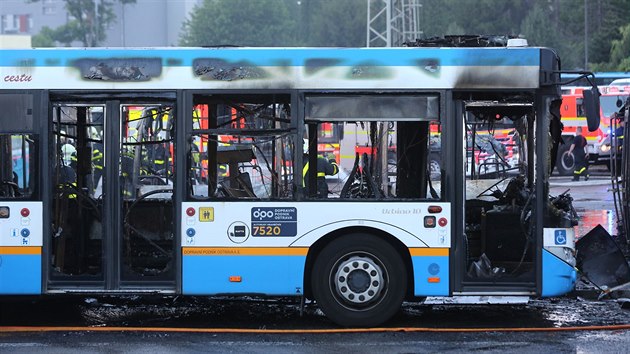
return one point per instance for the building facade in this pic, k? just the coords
(147, 23)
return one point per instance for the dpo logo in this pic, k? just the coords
(560, 237)
(263, 214)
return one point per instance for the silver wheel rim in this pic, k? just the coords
(358, 281)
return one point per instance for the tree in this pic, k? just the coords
(537, 28)
(334, 23)
(240, 22)
(45, 38)
(620, 50)
(88, 21)
(606, 17)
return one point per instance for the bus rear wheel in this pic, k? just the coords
(359, 280)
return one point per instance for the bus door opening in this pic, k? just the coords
(146, 181)
(499, 233)
(500, 208)
(76, 239)
(112, 207)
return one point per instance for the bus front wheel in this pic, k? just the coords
(359, 280)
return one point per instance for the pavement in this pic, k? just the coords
(568, 181)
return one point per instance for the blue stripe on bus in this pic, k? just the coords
(271, 275)
(285, 56)
(558, 277)
(20, 274)
(431, 267)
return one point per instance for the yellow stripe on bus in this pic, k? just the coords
(15, 250)
(244, 251)
(425, 251)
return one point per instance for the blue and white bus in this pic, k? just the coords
(183, 171)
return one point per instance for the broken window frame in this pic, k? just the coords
(254, 146)
(19, 171)
(367, 180)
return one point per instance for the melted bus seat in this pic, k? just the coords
(238, 187)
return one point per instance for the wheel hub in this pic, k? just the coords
(359, 280)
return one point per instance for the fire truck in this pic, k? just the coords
(572, 113)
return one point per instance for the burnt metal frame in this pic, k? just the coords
(112, 282)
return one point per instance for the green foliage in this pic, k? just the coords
(45, 38)
(535, 27)
(620, 50)
(559, 24)
(334, 23)
(88, 22)
(241, 22)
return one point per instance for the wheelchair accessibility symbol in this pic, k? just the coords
(560, 237)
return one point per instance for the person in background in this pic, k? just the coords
(325, 167)
(580, 155)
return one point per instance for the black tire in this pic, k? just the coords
(359, 280)
(565, 161)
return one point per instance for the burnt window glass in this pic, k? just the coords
(242, 147)
(17, 165)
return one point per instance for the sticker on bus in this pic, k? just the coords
(274, 222)
(206, 214)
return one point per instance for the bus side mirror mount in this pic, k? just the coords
(591, 108)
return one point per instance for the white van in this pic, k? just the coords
(620, 82)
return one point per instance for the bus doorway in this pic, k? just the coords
(111, 205)
(499, 239)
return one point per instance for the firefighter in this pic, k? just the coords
(580, 155)
(97, 158)
(155, 159)
(619, 132)
(325, 167)
(69, 155)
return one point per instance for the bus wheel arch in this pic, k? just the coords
(359, 276)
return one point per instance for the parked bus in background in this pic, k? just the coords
(157, 125)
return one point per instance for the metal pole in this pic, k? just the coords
(367, 35)
(585, 35)
(388, 28)
(123, 25)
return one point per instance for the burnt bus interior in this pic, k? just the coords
(241, 147)
(500, 198)
(499, 234)
(112, 176)
(249, 146)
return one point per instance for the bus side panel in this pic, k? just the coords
(21, 248)
(431, 271)
(20, 274)
(241, 270)
(558, 277)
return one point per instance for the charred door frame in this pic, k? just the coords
(458, 263)
(112, 228)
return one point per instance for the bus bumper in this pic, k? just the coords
(558, 277)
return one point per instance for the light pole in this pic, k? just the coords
(585, 35)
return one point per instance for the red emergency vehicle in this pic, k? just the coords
(572, 115)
